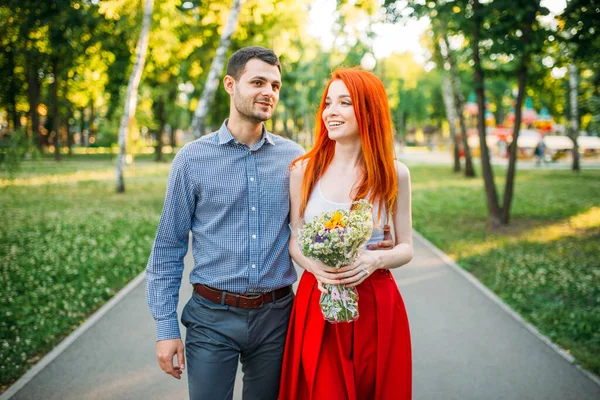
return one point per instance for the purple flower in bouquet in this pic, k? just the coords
(335, 294)
(336, 238)
(345, 296)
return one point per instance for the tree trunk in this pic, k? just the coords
(12, 91)
(459, 104)
(16, 118)
(82, 141)
(162, 121)
(273, 122)
(499, 114)
(402, 123)
(55, 112)
(295, 120)
(131, 96)
(494, 211)
(175, 123)
(172, 138)
(68, 128)
(451, 116)
(574, 120)
(513, 148)
(522, 79)
(286, 130)
(91, 131)
(212, 81)
(33, 94)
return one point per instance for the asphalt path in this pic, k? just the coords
(466, 345)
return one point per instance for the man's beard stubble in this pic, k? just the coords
(245, 107)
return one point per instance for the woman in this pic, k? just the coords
(352, 159)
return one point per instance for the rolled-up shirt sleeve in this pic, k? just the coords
(165, 266)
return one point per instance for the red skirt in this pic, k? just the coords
(366, 359)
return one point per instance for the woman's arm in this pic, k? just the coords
(402, 252)
(322, 273)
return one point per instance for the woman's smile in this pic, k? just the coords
(334, 124)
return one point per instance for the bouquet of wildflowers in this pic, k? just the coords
(336, 238)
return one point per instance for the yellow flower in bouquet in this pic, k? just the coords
(336, 238)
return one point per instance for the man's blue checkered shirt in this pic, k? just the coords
(235, 200)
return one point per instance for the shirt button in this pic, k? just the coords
(253, 236)
(251, 179)
(253, 208)
(253, 265)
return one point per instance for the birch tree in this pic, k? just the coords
(493, 28)
(449, 106)
(574, 115)
(578, 28)
(212, 81)
(458, 100)
(451, 116)
(131, 97)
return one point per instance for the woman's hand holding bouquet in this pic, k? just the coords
(354, 274)
(335, 239)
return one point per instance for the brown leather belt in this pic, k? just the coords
(248, 300)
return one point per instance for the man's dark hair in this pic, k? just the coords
(238, 60)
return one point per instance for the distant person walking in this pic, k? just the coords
(539, 152)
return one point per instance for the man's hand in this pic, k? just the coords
(386, 244)
(165, 351)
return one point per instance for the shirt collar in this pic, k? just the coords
(224, 135)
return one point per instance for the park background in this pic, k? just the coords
(97, 97)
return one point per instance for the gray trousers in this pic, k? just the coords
(219, 335)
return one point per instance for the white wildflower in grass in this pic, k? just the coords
(336, 238)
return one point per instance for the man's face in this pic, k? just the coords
(256, 93)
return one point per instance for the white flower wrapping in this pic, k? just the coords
(336, 238)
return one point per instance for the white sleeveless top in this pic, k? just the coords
(317, 204)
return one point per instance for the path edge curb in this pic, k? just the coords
(505, 307)
(69, 340)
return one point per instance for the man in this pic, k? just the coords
(230, 189)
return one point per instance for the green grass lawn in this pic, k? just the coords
(68, 243)
(545, 265)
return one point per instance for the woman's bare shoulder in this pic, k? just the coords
(402, 170)
(297, 170)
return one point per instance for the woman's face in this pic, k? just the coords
(338, 115)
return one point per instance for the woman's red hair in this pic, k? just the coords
(379, 183)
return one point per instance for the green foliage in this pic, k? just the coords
(579, 25)
(14, 146)
(545, 265)
(593, 104)
(68, 246)
(107, 133)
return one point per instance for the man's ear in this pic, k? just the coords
(228, 83)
